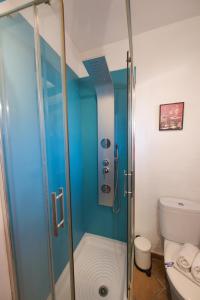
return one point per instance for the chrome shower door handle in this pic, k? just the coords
(55, 198)
(125, 183)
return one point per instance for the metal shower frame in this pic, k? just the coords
(130, 175)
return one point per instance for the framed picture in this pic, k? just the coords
(171, 116)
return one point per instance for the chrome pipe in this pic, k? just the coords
(67, 160)
(23, 6)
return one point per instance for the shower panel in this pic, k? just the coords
(99, 73)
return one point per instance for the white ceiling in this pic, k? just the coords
(94, 23)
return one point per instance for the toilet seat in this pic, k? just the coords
(183, 286)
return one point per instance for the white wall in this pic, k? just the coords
(167, 163)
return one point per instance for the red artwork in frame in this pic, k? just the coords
(171, 116)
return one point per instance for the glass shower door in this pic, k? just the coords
(24, 165)
(55, 142)
(33, 130)
(55, 146)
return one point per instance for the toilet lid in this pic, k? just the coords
(184, 286)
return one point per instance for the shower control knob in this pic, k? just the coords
(105, 188)
(105, 170)
(105, 163)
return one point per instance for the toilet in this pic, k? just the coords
(179, 223)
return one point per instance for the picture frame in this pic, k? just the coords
(171, 116)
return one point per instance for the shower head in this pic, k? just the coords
(98, 71)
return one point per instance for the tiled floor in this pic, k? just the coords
(151, 288)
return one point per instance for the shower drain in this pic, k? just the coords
(103, 291)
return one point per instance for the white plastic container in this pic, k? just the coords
(142, 253)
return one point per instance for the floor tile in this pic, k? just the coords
(163, 295)
(158, 271)
(150, 288)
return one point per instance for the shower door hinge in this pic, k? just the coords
(128, 185)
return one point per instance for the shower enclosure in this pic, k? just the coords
(67, 155)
